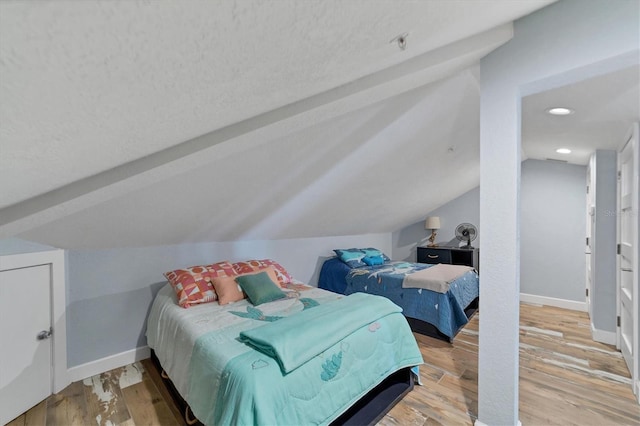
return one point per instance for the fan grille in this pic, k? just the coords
(466, 232)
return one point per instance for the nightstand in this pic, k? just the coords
(450, 255)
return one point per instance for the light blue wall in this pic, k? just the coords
(464, 209)
(109, 292)
(18, 246)
(566, 42)
(553, 230)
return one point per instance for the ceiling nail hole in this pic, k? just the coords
(401, 40)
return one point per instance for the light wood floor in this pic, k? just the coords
(565, 379)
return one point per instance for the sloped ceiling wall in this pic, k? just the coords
(142, 123)
(367, 171)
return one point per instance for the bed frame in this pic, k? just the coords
(368, 410)
(431, 330)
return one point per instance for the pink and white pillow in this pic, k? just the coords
(194, 285)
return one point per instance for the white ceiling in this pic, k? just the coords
(140, 123)
(604, 108)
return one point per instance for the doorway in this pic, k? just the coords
(33, 362)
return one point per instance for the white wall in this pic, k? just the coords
(110, 291)
(553, 230)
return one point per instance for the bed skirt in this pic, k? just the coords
(428, 329)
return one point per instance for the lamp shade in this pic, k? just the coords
(432, 222)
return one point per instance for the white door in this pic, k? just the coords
(25, 359)
(627, 250)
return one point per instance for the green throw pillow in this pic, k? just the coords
(259, 288)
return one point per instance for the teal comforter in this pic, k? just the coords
(323, 327)
(311, 366)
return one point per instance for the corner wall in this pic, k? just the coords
(19, 246)
(597, 37)
(464, 209)
(553, 227)
(110, 291)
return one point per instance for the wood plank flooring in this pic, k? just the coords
(565, 379)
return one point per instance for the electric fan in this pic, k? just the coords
(466, 232)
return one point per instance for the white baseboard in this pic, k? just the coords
(552, 301)
(608, 337)
(98, 366)
(479, 423)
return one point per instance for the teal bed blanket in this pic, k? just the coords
(322, 327)
(311, 366)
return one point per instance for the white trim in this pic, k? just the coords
(55, 258)
(479, 423)
(59, 320)
(608, 337)
(110, 362)
(552, 301)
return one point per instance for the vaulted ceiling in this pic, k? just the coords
(146, 123)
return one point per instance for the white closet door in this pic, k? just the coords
(627, 243)
(25, 361)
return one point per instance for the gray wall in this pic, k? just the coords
(553, 230)
(604, 234)
(553, 227)
(464, 209)
(110, 291)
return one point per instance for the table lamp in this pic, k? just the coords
(433, 223)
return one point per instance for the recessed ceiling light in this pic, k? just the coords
(560, 111)
(563, 151)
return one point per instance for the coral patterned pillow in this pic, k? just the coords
(222, 269)
(193, 285)
(258, 265)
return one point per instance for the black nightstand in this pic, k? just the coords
(451, 255)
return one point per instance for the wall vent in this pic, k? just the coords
(556, 160)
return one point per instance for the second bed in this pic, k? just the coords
(441, 314)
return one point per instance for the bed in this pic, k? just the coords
(439, 314)
(330, 359)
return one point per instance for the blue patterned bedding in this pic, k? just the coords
(443, 310)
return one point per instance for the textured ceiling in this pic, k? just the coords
(367, 171)
(99, 100)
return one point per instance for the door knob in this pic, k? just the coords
(44, 334)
